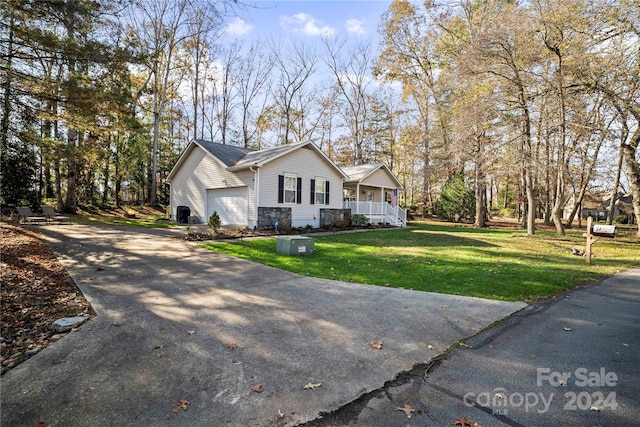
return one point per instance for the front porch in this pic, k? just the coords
(378, 212)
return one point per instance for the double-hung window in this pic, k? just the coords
(289, 189)
(319, 191)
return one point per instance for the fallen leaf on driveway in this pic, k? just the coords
(158, 346)
(376, 344)
(407, 410)
(280, 413)
(462, 422)
(257, 388)
(311, 386)
(191, 332)
(181, 404)
(116, 324)
(445, 306)
(567, 329)
(430, 347)
(238, 363)
(232, 346)
(99, 269)
(40, 424)
(161, 354)
(464, 344)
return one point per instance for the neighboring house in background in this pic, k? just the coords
(296, 185)
(372, 190)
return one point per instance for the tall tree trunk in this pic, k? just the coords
(613, 196)
(633, 168)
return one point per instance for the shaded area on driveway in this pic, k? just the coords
(176, 322)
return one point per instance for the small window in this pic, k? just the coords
(320, 190)
(290, 189)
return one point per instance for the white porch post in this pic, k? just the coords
(357, 198)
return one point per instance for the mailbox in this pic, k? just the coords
(603, 230)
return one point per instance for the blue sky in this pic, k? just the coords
(306, 21)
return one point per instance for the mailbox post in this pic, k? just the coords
(593, 234)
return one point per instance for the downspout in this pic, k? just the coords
(256, 194)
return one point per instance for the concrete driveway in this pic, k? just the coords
(177, 323)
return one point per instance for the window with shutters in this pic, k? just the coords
(320, 191)
(290, 188)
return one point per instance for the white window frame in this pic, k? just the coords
(292, 192)
(320, 195)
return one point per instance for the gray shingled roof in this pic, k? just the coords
(358, 172)
(255, 157)
(227, 154)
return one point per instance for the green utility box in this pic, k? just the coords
(295, 245)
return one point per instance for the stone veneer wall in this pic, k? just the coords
(335, 217)
(267, 217)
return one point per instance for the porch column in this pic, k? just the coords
(357, 198)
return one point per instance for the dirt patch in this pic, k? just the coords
(36, 290)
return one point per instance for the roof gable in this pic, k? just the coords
(359, 173)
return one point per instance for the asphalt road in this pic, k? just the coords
(573, 360)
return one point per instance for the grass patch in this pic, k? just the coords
(488, 263)
(134, 216)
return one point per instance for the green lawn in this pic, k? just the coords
(497, 264)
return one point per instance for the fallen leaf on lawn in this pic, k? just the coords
(430, 347)
(161, 354)
(257, 388)
(280, 413)
(181, 404)
(232, 346)
(311, 386)
(191, 332)
(158, 346)
(407, 410)
(567, 329)
(464, 344)
(376, 344)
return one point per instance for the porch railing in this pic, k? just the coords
(378, 212)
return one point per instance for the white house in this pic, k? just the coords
(296, 185)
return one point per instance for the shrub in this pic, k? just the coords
(456, 202)
(214, 221)
(360, 220)
(621, 219)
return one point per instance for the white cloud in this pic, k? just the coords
(355, 26)
(303, 23)
(238, 27)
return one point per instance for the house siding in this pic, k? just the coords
(199, 173)
(380, 178)
(307, 164)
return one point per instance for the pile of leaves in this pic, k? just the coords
(36, 290)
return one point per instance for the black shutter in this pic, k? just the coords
(326, 192)
(313, 192)
(280, 188)
(299, 192)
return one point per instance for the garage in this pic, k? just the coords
(230, 203)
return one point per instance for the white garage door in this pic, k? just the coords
(230, 203)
